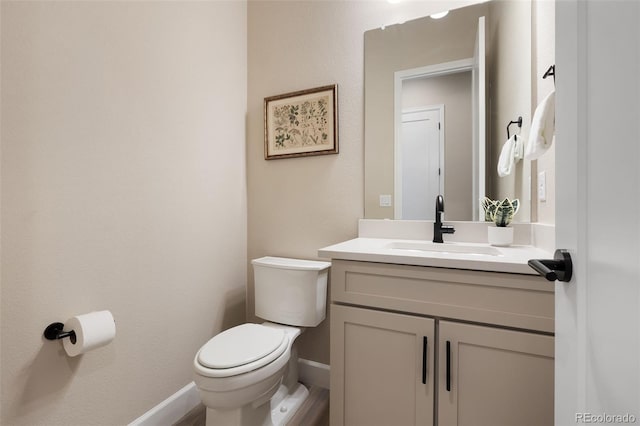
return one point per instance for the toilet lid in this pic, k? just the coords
(240, 345)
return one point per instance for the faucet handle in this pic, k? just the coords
(447, 229)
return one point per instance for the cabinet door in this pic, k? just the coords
(496, 377)
(382, 368)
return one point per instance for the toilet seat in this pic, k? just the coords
(241, 349)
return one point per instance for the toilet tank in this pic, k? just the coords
(291, 291)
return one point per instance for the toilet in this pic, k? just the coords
(248, 375)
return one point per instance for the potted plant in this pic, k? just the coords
(501, 214)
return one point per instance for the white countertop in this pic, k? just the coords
(512, 259)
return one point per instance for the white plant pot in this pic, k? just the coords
(500, 236)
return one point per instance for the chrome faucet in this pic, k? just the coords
(438, 227)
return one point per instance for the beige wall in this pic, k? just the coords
(507, 39)
(509, 43)
(544, 56)
(299, 205)
(454, 92)
(123, 188)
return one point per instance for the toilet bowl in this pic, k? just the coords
(248, 375)
(263, 352)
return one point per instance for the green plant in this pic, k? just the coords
(489, 207)
(500, 212)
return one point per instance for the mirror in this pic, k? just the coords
(437, 109)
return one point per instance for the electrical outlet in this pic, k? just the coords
(385, 201)
(542, 186)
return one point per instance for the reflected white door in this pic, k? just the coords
(421, 162)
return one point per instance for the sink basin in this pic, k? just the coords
(470, 249)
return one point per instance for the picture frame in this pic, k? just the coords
(301, 123)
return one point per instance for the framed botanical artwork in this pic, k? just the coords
(301, 123)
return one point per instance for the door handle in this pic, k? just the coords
(559, 268)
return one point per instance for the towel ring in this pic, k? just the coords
(518, 122)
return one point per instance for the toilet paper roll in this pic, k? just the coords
(92, 330)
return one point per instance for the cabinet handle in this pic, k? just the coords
(448, 366)
(424, 360)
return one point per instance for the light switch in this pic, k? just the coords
(542, 186)
(385, 201)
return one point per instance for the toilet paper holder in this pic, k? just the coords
(54, 332)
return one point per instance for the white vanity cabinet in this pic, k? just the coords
(415, 345)
(496, 376)
(382, 370)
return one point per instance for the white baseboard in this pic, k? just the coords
(186, 399)
(171, 409)
(313, 373)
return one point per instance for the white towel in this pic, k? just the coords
(511, 153)
(542, 128)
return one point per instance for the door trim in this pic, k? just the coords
(444, 68)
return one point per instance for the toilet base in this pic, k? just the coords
(285, 404)
(280, 409)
